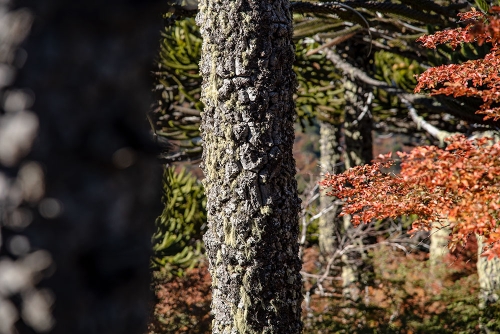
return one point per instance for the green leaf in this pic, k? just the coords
(177, 241)
(482, 5)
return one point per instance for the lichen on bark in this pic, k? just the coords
(247, 131)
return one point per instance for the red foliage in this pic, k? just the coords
(183, 304)
(474, 78)
(459, 185)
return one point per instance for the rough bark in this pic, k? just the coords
(77, 212)
(247, 130)
(329, 160)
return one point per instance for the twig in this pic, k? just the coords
(404, 97)
(421, 123)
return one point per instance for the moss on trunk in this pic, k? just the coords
(247, 131)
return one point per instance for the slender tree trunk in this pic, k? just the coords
(358, 125)
(488, 272)
(439, 245)
(489, 284)
(358, 151)
(330, 157)
(77, 208)
(247, 130)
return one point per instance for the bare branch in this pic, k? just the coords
(421, 123)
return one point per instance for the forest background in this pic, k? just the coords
(355, 101)
(80, 179)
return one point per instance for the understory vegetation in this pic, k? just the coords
(408, 296)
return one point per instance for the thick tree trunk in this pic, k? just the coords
(329, 159)
(77, 212)
(358, 151)
(247, 130)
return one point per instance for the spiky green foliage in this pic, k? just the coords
(177, 243)
(394, 70)
(178, 85)
(394, 27)
(319, 93)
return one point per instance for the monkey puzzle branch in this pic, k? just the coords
(404, 97)
(421, 123)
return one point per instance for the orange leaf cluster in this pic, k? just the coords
(474, 78)
(459, 184)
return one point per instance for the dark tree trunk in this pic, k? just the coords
(90, 188)
(247, 130)
(357, 125)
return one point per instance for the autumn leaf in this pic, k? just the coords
(434, 183)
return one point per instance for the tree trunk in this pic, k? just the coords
(489, 284)
(330, 157)
(358, 151)
(489, 276)
(357, 125)
(247, 131)
(77, 212)
(488, 272)
(439, 245)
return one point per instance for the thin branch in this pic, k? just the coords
(366, 109)
(421, 123)
(187, 111)
(326, 210)
(404, 97)
(333, 42)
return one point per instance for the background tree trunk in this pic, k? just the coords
(78, 211)
(329, 160)
(439, 245)
(488, 272)
(247, 130)
(358, 150)
(358, 125)
(489, 284)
